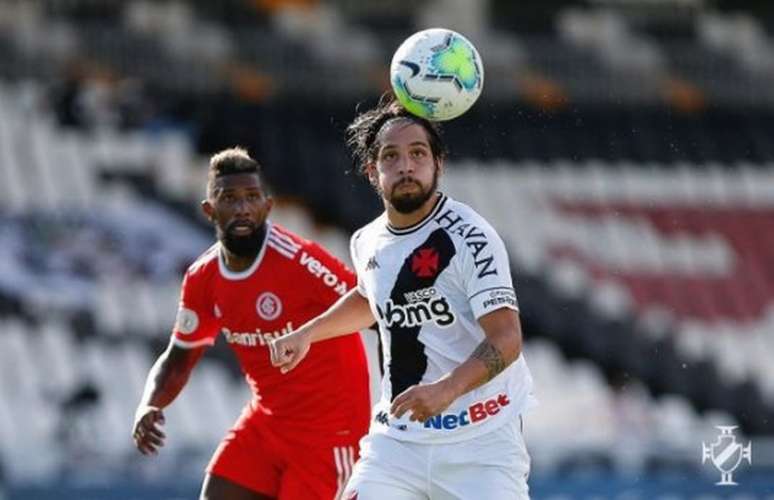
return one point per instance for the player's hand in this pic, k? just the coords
(288, 351)
(147, 435)
(423, 401)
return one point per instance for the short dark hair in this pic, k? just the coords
(363, 132)
(231, 161)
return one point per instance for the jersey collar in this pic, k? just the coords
(420, 223)
(233, 275)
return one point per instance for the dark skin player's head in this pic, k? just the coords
(237, 204)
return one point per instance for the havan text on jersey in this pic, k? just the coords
(474, 238)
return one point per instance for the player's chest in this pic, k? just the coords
(415, 270)
(251, 313)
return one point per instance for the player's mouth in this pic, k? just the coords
(241, 228)
(405, 184)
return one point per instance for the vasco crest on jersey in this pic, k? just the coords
(424, 262)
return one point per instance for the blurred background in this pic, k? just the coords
(624, 150)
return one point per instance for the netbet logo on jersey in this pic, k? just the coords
(423, 306)
(474, 414)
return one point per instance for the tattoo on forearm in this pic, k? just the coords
(491, 358)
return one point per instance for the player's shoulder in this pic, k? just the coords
(369, 231)
(284, 241)
(204, 262)
(461, 220)
(282, 238)
(312, 262)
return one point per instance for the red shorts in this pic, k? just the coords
(253, 456)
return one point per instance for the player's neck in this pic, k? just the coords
(400, 220)
(235, 263)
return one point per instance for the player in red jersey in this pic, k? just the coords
(298, 436)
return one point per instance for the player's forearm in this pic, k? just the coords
(349, 314)
(493, 355)
(167, 377)
(162, 386)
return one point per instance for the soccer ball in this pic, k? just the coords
(437, 74)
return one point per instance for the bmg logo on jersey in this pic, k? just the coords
(426, 306)
(475, 413)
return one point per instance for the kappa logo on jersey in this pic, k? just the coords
(252, 339)
(269, 306)
(425, 263)
(475, 413)
(384, 419)
(187, 321)
(318, 269)
(417, 313)
(372, 264)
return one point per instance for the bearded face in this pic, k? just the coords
(405, 172)
(238, 208)
(243, 238)
(408, 194)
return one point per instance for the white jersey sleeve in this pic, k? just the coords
(486, 273)
(357, 263)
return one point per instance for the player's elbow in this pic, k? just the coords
(510, 344)
(503, 330)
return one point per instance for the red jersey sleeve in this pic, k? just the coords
(196, 324)
(330, 278)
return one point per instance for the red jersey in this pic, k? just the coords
(291, 281)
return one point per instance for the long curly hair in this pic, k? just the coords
(363, 132)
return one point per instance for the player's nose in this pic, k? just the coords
(405, 166)
(242, 206)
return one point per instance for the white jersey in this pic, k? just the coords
(427, 285)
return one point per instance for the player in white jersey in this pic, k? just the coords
(436, 277)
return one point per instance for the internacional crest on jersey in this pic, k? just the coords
(427, 285)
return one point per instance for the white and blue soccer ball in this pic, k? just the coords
(437, 74)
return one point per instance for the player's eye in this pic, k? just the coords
(253, 197)
(419, 153)
(389, 156)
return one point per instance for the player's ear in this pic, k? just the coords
(268, 204)
(208, 210)
(373, 176)
(439, 164)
